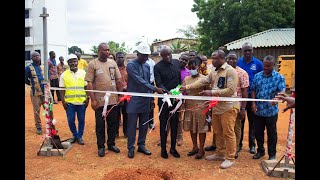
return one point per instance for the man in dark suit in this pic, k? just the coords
(139, 107)
(167, 76)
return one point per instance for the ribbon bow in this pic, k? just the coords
(211, 104)
(106, 101)
(125, 98)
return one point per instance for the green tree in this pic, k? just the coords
(189, 32)
(94, 49)
(73, 49)
(178, 47)
(223, 21)
(114, 47)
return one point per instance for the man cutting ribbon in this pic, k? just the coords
(224, 83)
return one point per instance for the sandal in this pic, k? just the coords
(191, 153)
(198, 156)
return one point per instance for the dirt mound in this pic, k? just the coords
(139, 174)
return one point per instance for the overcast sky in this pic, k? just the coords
(93, 21)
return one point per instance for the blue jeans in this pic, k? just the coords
(71, 115)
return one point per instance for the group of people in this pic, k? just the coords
(228, 76)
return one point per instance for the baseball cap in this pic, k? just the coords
(71, 56)
(143, 48)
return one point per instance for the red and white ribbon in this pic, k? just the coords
(106, 101)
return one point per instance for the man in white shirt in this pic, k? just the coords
(75, 102)
(151, 64)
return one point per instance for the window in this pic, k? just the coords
(27, 56)
(26, 13)
(26, 32)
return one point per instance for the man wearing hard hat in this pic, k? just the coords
(139, 107)
(74, 101)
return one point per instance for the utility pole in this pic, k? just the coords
(47, 104)
(45, 43)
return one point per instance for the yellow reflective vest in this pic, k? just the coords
(74, 96)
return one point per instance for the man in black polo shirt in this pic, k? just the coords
(167, 77)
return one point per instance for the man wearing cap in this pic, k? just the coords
(139, 107)
(74, 101)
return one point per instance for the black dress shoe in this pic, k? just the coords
(258, 155)
(174, 153)
(131, 153)
(39, 131)
(114, 149)
(236, 155)
(80, 141)
(191, 153)
(73, 139)
(144, 150)
(210, 148)
(164, 154)
(272, 157)
(101, 152)
(252, 150)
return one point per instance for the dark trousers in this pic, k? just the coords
(151, 110)
(163, 124)
(241, 134)
(151, 115)
(132, 125)
(55, 83)
(123, 111)
(251, 120)
(111, 119)
(271, 124)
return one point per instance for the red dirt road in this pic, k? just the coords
(82, 162)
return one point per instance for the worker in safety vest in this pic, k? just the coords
(74, 101)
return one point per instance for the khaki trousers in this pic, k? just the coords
(223, 127)
(237, 130)
(180, 126)
(37, 102)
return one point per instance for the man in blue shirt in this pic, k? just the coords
(139, 107)
(34, 77)
(266, 85)
(252, 66)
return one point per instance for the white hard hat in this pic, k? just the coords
(71, 56)
(143, 48)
